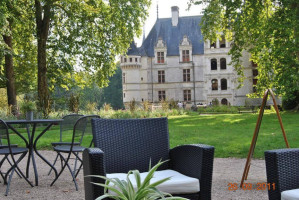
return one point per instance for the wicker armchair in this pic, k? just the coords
(127, 144)
(282, 166)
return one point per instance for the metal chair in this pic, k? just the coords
(81, 129)
(122, 145)
(66, 127)
(11, 150)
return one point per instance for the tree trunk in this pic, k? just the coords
(10, 77)
(42, 14)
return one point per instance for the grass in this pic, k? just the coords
(230, 134)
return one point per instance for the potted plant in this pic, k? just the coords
(27, 107)
(123, 189)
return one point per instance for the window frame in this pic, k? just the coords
(124, 77)
(214, 85)
(187, 95)
(214, 67)
(185, 55)
(223, 66)
(161, 76)
(223, 83)
(160, 57)
(186, 75)
(161, 95)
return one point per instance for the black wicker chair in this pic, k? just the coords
(9, 150)
(282, 166)
(66, 127)
(127, 144)
(81, 129)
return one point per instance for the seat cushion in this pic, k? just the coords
(178, 183)
(290, 195)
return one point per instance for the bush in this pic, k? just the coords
(289, 103)
(74, 103)
(218, 109)
(132, 105)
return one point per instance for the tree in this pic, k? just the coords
(16, 44)
(92, 32)
(113, 93)
(268, 30)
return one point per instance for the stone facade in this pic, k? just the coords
(174, 63)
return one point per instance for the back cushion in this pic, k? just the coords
(130, 144)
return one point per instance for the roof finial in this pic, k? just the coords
(157, 10)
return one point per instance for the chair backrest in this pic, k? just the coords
(130, 144)
(68, 123)
(82, 128)
(3, 131)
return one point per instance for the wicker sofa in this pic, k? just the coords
(282, 166)
(126, 144)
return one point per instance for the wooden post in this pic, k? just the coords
(256, 131)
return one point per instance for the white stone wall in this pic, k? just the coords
(139, 77)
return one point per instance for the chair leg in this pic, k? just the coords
(15, 165)
(9, 180)
(68, 166)
(81, 163)
(53, 164)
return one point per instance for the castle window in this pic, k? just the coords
(214, 84)
(161, 76)
(255, 72)
(131, 60)
(222, 42)
(186, 75)
(124, 77)
(254, 81)
(141, 78)
(136, 59)
(223, 84)
(160, 57)
(186, 56)
(213, 45)
(187, 95)
(224, 101)
(213, 64)
(161, 95)
(124, 95)
(222, 63)
(125, 60)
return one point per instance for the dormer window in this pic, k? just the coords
(160, 57)
(160, 51)
(125, 60)
(136, 59)
(131, 59)
(186, 56)
(185, 49)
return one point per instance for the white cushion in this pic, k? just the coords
(290, 195)
(178, 183)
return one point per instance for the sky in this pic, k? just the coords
(165, 12)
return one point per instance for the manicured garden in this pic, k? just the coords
(231, 134)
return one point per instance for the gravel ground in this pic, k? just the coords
(226, 171)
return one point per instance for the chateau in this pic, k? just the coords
(174, 62)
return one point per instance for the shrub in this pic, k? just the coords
(74, 103)
(164, 104)
(146, 105)
(91, 107)
(132, 105)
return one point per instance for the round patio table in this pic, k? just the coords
(31, 143)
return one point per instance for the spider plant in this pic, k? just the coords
(124, 190)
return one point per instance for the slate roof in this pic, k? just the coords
(172, 35)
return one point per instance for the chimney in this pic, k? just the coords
(175, 15)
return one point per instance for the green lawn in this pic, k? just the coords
(231, 134)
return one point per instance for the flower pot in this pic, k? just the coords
(29, 115)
